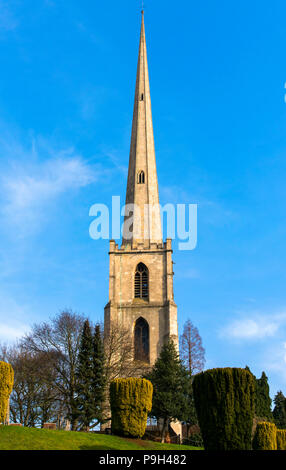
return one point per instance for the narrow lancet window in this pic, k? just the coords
(141, 177)
(142, 97)
(141, 340)
(141, 285)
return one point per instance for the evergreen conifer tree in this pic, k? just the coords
(279, 412)
(191, 418)
(262, 398)
(171, 387)
(99, 377)
(85, 377)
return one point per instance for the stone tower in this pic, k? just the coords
(141, 295)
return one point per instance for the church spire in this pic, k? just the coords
(142, 183)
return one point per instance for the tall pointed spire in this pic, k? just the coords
(142, 183)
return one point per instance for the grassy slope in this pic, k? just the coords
(12, 438)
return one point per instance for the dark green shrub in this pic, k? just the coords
(130, 402)
(279, 412)
(195, 440)
(265, 437)
(224, 400)
(281, 439)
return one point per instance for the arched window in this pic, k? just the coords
(141, 340)
(141, 287)
(141, 177)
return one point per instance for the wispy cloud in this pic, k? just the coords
(10, 333)
(90, 99)
(36, 184)
(254, 326)
(84, 29)
(37, 175)
(190, 273)
(274, 361)
(116, 159)
(12, 326)
(216, 213)
(8, 21)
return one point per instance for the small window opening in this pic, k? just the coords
(142, 97)
(141, 177)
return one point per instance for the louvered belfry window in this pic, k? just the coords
(141, 282)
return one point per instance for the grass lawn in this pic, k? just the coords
(13, 438)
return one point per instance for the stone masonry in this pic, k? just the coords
(144, 243)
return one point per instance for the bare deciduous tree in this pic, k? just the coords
(32, 401)
(59, 340)
(119, 358)
(45, 362)
(119, 354)
(191, 349)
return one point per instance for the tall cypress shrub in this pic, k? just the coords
(265, 437)
(224, 400)
(130, 402)
(6, 386)
(281, 439)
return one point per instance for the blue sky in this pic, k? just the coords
(217, 72)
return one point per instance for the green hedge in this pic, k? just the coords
(6, 386)
(224, 400)
(265, 437)
(130, 402)
(281, 439)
